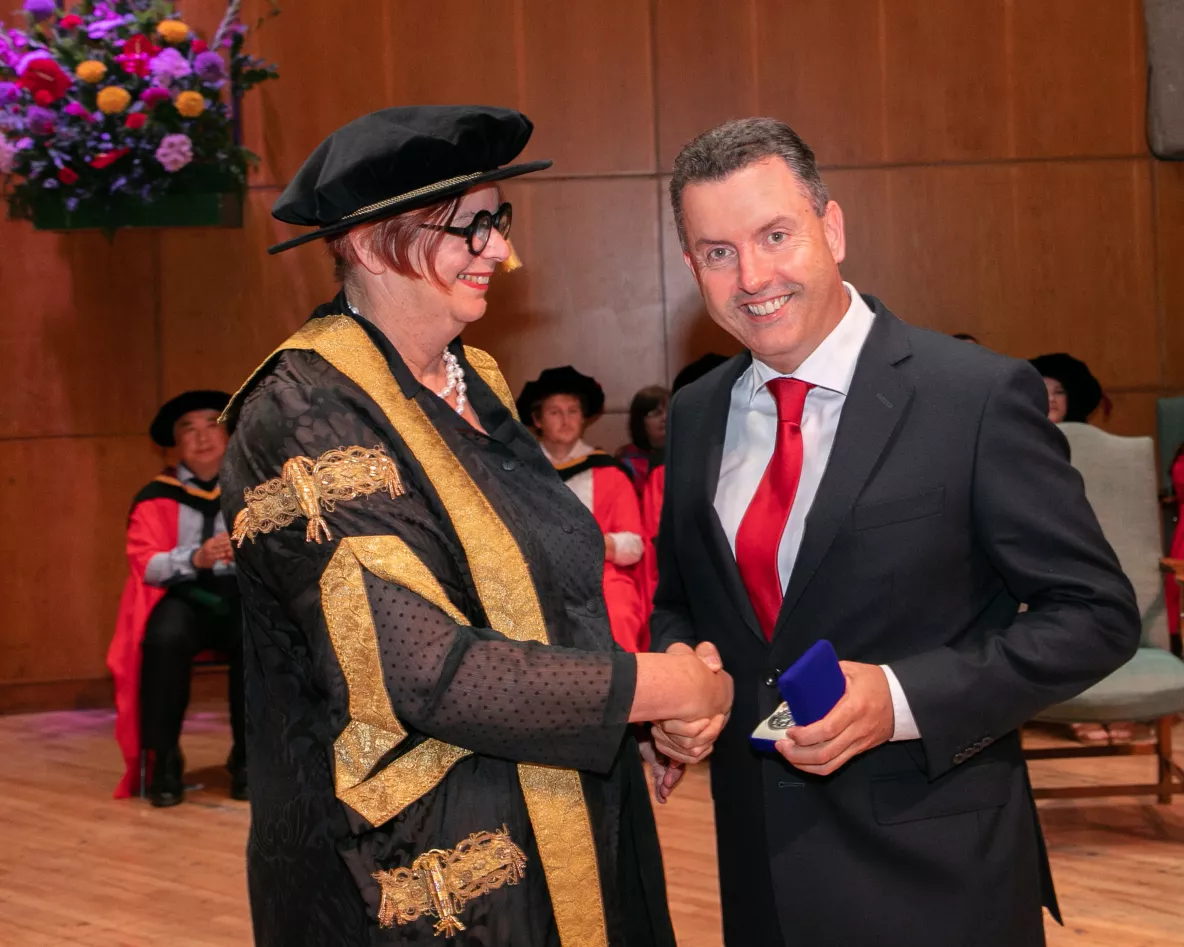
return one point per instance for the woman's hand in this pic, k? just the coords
(691, 741)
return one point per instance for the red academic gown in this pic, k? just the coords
(651, 513)
(151, 528)
(615, 508)
(614, 504)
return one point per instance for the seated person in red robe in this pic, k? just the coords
(560, 402)
(181, 599)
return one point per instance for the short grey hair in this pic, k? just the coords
(720, 151)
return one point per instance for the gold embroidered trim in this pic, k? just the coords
(486, 366)
(554, 797)
(373, 729)
(307, 486)
(441, 882)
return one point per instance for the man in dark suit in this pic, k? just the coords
(851, 478)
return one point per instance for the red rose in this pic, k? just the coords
(66, 176)
(136, 120)
(45, 75)
(199, 46)
(71, 21)
(109, 158)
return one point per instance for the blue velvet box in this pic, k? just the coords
(810, 688)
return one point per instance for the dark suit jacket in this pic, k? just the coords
(948, 499)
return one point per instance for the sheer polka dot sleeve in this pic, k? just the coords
(474, 688)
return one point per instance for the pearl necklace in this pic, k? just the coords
(452, 370)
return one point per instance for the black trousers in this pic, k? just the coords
(191, 618)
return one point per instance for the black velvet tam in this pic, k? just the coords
(560, 381)
(400, 159)
(172, 410)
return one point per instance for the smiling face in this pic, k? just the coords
(201, 442)
(766, 263)
(444, 287)
(464, 278)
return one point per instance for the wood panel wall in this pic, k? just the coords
(989, 156)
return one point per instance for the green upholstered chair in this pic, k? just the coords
(1120, 482)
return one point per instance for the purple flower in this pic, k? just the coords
(23, 62)
(41, 121)
(9, 93)
(40, 9)
(168, 66)
(209, 68)
(7, 155)
(100, 28)
(24, 144)
(175, 152)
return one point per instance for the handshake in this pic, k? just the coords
(688, 695)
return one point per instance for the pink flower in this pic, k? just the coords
(154, 96)
(78, 110)
(175, 152)
(7, 155)
(71, 21)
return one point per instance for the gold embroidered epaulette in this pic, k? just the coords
(441, 882)
(308, 487)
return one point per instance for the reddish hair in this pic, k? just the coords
(399, 242)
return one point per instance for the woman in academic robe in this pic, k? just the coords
(438, 721)
(560, 403)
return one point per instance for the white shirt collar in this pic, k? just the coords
(832, 364)
(580, 450)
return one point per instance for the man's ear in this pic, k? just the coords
(689, 261)
(835, 230)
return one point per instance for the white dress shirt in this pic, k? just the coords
(751, 436)
(627, 547)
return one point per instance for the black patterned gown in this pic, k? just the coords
(436, 711)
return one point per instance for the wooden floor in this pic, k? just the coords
(77, 867)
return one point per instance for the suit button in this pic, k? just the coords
(771, 677)
(959, 758)
(568, 528)
(508, 465)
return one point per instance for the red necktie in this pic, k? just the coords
(764, 521)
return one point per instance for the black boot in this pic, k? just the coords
(166, 788)
(237, 764)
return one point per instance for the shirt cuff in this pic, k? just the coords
(167, 567)
(627, 548)
(905, 727)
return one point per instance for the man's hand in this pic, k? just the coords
(862, 719)
(215, 549)
(665, 772)
(690, 741)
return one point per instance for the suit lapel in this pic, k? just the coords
(877, 401)
(714, 421)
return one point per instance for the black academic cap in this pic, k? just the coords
(171, 411)
(1082, 391)
(400, 159)
(560, 381)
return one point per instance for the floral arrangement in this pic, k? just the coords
(115, 103)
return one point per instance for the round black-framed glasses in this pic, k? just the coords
(478, 231)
